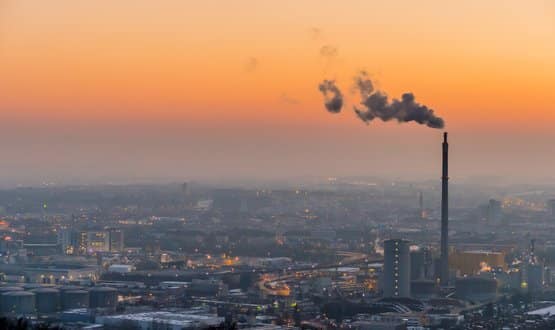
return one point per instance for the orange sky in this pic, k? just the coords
(99, 72)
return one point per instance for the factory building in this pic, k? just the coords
(420, 263)
(473, 262)
(476, 288)
(396, 274)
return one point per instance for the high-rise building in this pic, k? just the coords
(396, 272)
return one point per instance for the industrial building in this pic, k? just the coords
(473, 262)
(74, 242)
(163, 320)
(396, 274)
(476, 288)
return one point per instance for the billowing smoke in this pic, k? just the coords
(375, 104)
(333, 98)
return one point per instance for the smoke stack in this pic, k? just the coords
(444, 271)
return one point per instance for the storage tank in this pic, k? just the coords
(70, 288)
(32, 286)
(103, 297)
(4, 289)
(47, 300)
(72, 299)
(18, 302)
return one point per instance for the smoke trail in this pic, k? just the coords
(375, 104)
(333, 98)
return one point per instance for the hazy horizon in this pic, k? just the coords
(91, 92)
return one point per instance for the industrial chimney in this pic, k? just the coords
(444, 271)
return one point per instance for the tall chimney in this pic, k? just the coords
(444, 271)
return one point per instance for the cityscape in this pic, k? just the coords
(265, 165)
(336, 253)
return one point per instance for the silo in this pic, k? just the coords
(47, 300)
(72, 299)
(32, 286)
(103, 297)
(70, 288)
(5, 289)
(18, 302)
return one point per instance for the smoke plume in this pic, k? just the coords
(375, 104)
(333, 98)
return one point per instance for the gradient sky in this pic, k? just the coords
(136, 89)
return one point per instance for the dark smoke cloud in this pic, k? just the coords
(375, 104)
(333, 98)
(364, 85)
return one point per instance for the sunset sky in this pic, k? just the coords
(97, 90)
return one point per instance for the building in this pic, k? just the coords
(116, 240)
(420, 263)
(494, 211)
(75, 242)
(535, 279)
(98, 241)
(208, 288)
(474, 262)
(122, 269)
(189, 319)
(476, 288)
(396, 274)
